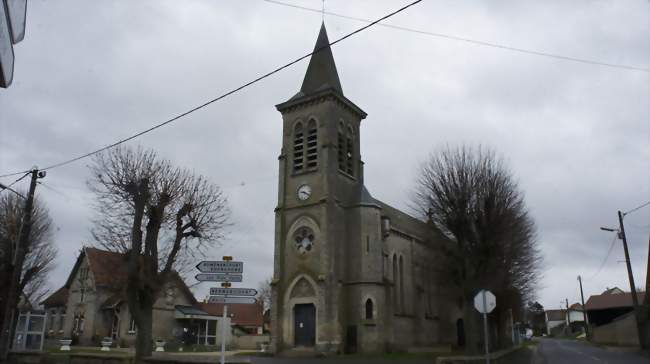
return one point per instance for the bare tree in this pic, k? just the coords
(470, 196)
(159, 215)
(264, 293)
(40, 254)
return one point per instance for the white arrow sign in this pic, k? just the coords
(204, 277)
(228, 300)
(232, 292)
(220, 266)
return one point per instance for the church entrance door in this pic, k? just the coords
(304, 318)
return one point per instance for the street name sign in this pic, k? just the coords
(220, 266)
(229, 300)
(487, 304)
(212, 277)
(215, 291)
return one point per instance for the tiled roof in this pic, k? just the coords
(242, 314)
(556, 315)
(605, 301)
(58, 298)
(109, 268)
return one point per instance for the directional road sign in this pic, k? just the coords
(203, 277)
(487, 304)
(232, 292)
(228, 300)
(220, 266)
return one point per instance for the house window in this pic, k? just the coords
(78, 324)
(52, 317)
(298, 148)
(61, 320)
(132, 328)
(83, 295)
(367, 244)
(369, 309)
(312, 145)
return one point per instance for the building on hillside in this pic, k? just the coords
(92, 305)
(351, 273)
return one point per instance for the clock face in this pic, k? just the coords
(304, 192)
(304, 240)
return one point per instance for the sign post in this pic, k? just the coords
(225, 271)
(485, 302)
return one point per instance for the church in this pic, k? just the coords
(351, 273)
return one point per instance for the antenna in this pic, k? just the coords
(323, 11)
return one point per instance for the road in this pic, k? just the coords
(554, 351)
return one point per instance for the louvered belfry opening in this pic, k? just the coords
(298, 148)
(312, 145)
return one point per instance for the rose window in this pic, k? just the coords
(304, 239)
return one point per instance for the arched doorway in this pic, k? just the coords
(460, 332)
(304, 319)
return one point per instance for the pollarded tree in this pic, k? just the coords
(158, 214)
(471, 197)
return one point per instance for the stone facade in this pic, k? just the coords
(92, 303)
(351, 273)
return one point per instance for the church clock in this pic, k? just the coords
(304, 192)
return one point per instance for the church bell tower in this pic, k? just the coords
(320, 174)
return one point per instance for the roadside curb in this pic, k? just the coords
(473, 358)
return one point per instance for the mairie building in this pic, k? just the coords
(351, 273)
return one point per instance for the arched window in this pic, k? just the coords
(401, 283)
(395, 286)
(341, 147)
(349, 153)
(298, 148)
(369, 309)
(312, 145)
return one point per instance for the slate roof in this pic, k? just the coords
(608, 300)
(58, 298)
(321, 72)
(242, 314)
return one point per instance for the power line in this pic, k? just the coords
(637, 208)
(611, 247)
(196, 108)
(468, 40)
(8, 187)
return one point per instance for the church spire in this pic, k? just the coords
(321, 72)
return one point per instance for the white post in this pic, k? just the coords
(223, 334)
(485, 328)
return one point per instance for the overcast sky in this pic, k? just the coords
(576, 136)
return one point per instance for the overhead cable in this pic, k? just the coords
(196, 108)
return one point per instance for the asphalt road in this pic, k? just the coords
(553, 351)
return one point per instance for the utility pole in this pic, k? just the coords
(15, 290)
(584, 309)
(635, 299)
(568, 316)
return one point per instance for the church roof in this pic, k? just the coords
(321, 72)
